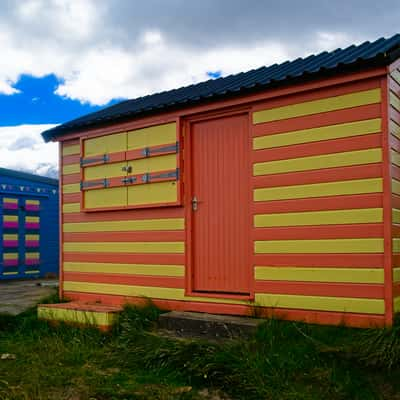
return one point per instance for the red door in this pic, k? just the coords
(220, 205)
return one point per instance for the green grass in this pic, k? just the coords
(282, 361)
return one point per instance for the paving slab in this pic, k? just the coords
(211, 326)
(18, 296)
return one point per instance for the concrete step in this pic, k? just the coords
(94, 314)
(210, 326)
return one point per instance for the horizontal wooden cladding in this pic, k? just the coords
(127, 279)
(345, 202)
(166, 224)
(396, 304)
(318, 274)
(339, 304)
(71, 178)
(124, 247)
(310, 316)
(354, 290)
(371, 141)
(137, 236)
(396, 245)
(125, 269)
(348, 129)
(70, 160)
(318, 176)
(319, 232)
(342, 304)
(394, 128)
(71, 208)
(396, 275)
(396, 216)
(396, 186)
(68, 150)
(71, 188)
(358, 186)
(308, 122)
(394, 100)
(323, 246)
(125, 258)
(69, 169)
(348, 100)
(348, 158)
(352, 216)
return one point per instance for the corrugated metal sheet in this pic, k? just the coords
(380, 52)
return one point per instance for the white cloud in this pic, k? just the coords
(32, 154)
(98, 59)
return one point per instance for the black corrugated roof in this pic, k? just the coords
(380, 52)
(27, 176)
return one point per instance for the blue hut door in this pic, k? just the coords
(20, 237)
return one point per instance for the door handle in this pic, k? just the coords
(195, 203)
(127, 168)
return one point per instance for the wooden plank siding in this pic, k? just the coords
(317, 238)
(394, 131)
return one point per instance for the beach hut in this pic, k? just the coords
(274, 191)
(29, 225)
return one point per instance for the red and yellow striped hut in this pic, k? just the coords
(278, 188)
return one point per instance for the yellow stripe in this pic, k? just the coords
(338, 304)
(33, 271)
(358, 186)
(396, 216)
(152, 136)
(32, 219)
(8, 200)
(124, 226)
(10, 256)
(70, 150)
(71, 208)
(153, 193)
(10, 273)
(358, 157)
(394, 129)
(395, 157)
(71, 188)
(316, 134)
(319, 246)
(396, 304)
(139, 291)
(316, 274)
(77, 316)
(10, 218)
(10, 237)
(132, 269)
(71, 169)
(394, 101)
(396, 274)
(151, 164)
(31, 237)
(318, 106)
(396, 245)
(105, 144)
(395, 186)
(359, 216)
(105, 198)
(32, 202)
(32, 256)
(125, 247)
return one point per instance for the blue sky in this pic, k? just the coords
(61, 59)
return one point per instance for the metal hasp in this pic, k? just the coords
(148, 151)
(130, 179)
(195, 203)
(85, 161)
(89, 184)
(147, 177)
(127, 168)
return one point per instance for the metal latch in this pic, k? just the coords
(195, 203)
(127, 168)
(104, 158)
(130, 179)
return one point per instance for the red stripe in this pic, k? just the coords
(321, 289)
(71, 198)
(128, 215)
(317, 120)
(319, 204)
(395, 201)
(396, 230)
(123, 279)
(396, 260)
(395, 171)
(319, 232)
(138, 236)
(71, 142)
(125, 258)
(318, 176)
(71, 159)
(318, 148)
(313, 317)
(71, 178)
(320, 260)
(396, 289)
